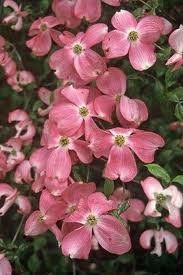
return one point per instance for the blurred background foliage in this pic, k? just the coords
(162, 91)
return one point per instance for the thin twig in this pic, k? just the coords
(146, 4)
(18, 230)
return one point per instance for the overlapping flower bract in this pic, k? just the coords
(88, 116)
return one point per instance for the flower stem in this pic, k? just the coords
(18, 230)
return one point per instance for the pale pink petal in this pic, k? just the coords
(23, 204)
(133, 110)
(100, 141)
(144, 144)
(176, 40)
(77, 244)
(82, 150)
(145, 238)
(46, 201)
(99, 204)
(18, 26)
(123, 21)
(150, 209)
(89, 65)
(64, 11)
(175, 58)
(121, 164)
(95, 34)
(50, 21)
(174, 216)
(112, 82)
(104, 106)
(67, 117)
(62, 62)
(77, 191)
(112, 235)
(175, 195)
(40, 44)
(115, 44)
(55, 187)
(38, 159)
(150, 28)
(12, 4)
(57, 232)
(142, 56)
(17, 115)
(88, 9)
(134, 212)
(45, 95)
(5, 266)
(55, 36)
(151, 186)
(79, 97)
(170, 241)
(23, 172)
(167, 26)
(34, 225)
(59, 164)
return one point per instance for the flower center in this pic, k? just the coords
(119, 140)
(83, 111)
(160, 199)
(43, 27)
(91, 220)
(117, 98)
(77, 49)
(72, 209)
(64, 141)
(41, 219)
(133, 36)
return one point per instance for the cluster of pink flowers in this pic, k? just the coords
(92, 94)
(16, 78)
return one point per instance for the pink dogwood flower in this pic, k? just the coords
(159, 237)
(176, 43)
(64, 11)
(38, 160)
(59, 162)
(15, 18)
(130, 112)
(91, 9)
(136, 207)
(43, 32)
(50, 211)
(74, 193)
(24, 126)
(75, 113)
(12, 150)
(134, 38)
(169, 198)
(5, 266)
(76, 56)
(20, 79)
(117, 145)
(92, 214)
(12, 196)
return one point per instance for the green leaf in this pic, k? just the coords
(34, 263)
(108, 187)
(178, 179)
(176, 95)
(179, 111)
(159, 172)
